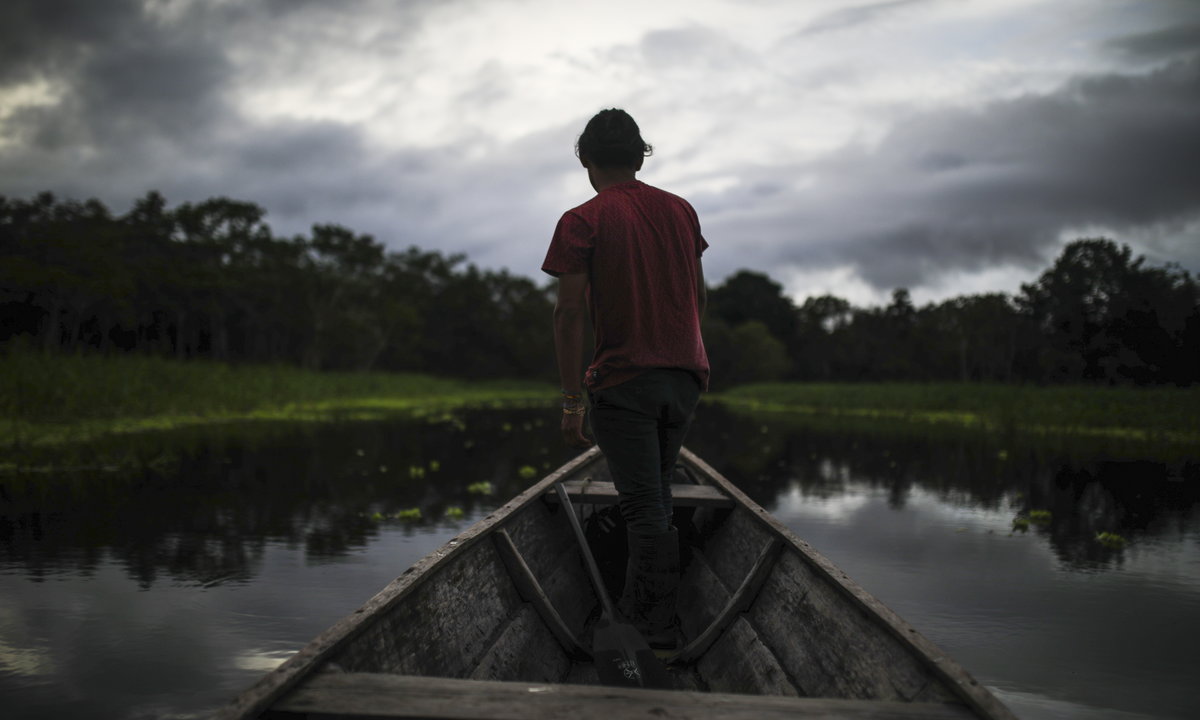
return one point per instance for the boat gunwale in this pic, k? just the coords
(961, 682)
(274, 685)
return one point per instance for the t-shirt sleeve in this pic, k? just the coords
(701, 243)
(570, 248)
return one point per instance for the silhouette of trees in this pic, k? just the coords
(1104, 316)
(211, 280)
(743, 354)
(747, 296)
(1097, 315)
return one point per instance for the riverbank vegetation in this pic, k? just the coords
(54, 399)
(50, 401)
(1158, 415)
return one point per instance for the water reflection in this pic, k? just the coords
(165, 591)
(205, 519)
(1085, 488)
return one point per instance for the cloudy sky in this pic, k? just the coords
(946, 146)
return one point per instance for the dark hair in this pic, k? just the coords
(612, 139)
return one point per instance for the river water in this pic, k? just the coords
(162, 592)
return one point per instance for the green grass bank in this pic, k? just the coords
(56, 399)
(57, 410)
(1159, 415)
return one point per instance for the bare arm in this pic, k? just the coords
(569, 317)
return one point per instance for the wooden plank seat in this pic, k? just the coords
(598, 492)
(403, 696)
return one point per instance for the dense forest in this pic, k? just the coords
(210, 280)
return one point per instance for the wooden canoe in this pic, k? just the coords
(494, 624)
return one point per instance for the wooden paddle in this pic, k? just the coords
(622, 656)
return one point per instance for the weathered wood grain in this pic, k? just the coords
(737, 660)
(957, 680)
(391, 696)
(832, 647)
(275, 684)
(446, 624)
(738, 603)
(543, 536)
(595, 492)
(732, 546)
(531, 592)
(525, 650)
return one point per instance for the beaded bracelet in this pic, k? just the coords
(574, 409)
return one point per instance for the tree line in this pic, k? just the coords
(211, 280)
(1097, 315)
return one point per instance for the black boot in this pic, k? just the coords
(651, 586)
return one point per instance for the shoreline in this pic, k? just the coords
(100, 406)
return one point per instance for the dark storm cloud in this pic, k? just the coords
(1166, 42)
(49, 36)
(965, 190)
(122, 76)
(169, 85)
(304, 172)
(142, 102)
(124, 73)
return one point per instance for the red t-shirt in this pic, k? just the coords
(640, 247)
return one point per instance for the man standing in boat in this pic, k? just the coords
(631, 257)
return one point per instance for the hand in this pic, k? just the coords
(572, 431)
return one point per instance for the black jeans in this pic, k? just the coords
(640, 425)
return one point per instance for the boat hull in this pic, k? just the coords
(498, 620)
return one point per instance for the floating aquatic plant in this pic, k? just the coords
(1110, 540)
(480, 488)
(454, 512)
(409, 514)
(1022, 521)
(1040, 517)
(527, 472)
